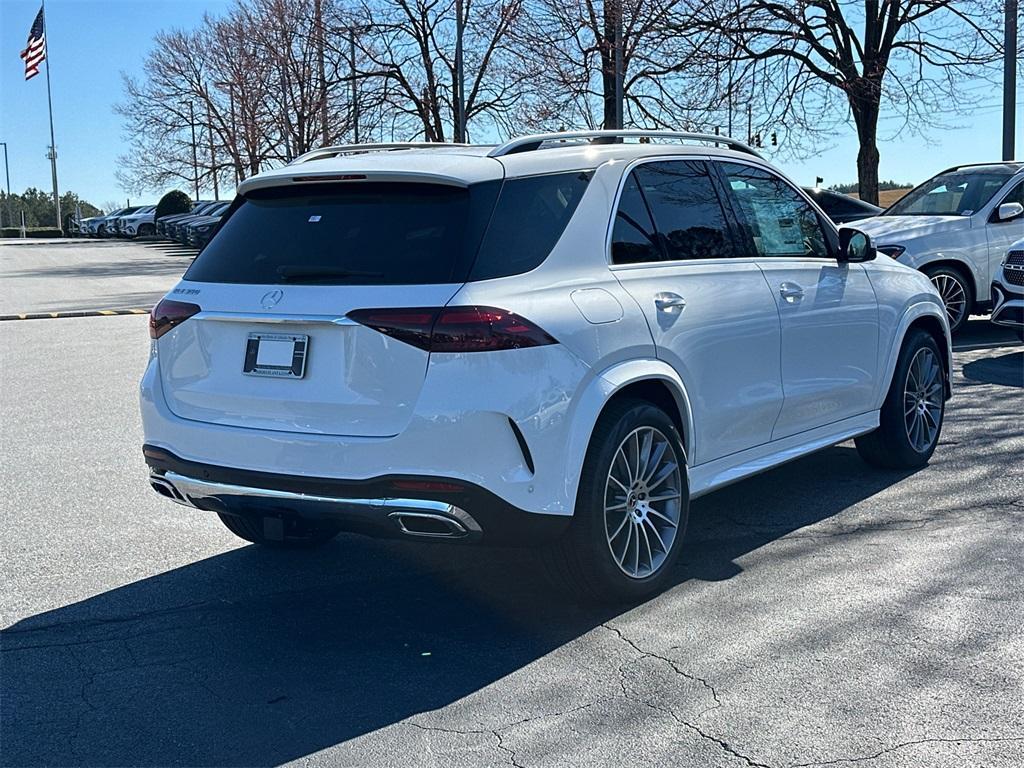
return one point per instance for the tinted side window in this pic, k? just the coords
(781, 222)
(634, 239)
(529, 217)
(686, 209)
(1015, 195)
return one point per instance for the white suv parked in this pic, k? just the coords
(140, 223)
(1008, 290)
(562, 339)
(955, 228)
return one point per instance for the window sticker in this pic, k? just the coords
(314, 219)
(779, 223)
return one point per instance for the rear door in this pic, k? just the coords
(828, 309)
(710, 313)
(272, 347)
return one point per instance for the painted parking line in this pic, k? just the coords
(73, 313)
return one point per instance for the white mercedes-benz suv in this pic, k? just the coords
(559, 340)
(955, 228)
(1008, 290)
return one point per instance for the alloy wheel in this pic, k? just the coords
(922, 400)
(643, 502)
(954, 297)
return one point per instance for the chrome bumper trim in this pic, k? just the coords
(191, 489)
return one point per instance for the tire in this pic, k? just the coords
(957, 294)
(585, 559)
(145, 230)
(296, 533)
(907, 439)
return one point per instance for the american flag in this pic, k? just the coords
(35, 52)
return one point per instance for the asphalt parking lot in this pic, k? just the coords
(824, 613)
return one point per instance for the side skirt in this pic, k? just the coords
(708, 477)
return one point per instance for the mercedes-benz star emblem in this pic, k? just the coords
(272, 299)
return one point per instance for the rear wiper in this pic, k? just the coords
(298, 274)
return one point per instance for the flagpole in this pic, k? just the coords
(53, 143)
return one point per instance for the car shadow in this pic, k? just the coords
(256, 657)
(981, 333)
(1006, 370)
(157, 266)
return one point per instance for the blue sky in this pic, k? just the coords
(92, 41)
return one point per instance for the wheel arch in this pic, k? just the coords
(648, 379)
(964, 267)
(930, 318)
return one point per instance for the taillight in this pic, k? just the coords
(167, 314)
(455, 329)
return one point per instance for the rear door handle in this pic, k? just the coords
(672, 303)
(791, 292)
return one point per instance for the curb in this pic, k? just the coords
(73, 313)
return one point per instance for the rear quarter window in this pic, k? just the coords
(529, 217)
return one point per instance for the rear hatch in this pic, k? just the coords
(272, 347)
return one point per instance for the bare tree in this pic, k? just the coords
(819, 63)
(576, 41)
(408, 60)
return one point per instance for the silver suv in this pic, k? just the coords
(955, 228)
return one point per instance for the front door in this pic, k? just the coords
(710, 313)
(1002, 234)
(827, 309)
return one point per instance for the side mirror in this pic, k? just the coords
(1009, 211)
(855, 246)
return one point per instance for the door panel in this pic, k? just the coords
(829, 319)
(724, 344)
(1002, 234)
(827, 310)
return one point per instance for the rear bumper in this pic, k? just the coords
(381, 507)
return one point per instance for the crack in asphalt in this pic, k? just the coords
(887, 750)
(497, 732)
(675, 666)
(724, 745)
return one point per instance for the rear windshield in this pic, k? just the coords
(389, 233)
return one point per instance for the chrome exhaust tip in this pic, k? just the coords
(167, 490)
(429, 525)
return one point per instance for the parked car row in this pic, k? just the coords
(195, 227)
(133, 221)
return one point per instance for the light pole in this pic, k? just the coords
(195, 157)
(460, 96)
(213, 153)
(352, 76)
(7, 173)
(355, 86)
(236, 161)
(1009, 78)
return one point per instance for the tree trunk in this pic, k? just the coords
(864, 103)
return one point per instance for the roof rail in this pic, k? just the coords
(536, 141)
(979, 165)
(359, 149)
